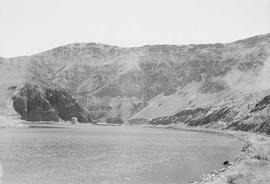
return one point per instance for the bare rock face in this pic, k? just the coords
(36, 103)
(32, 104)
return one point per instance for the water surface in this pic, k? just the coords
(113, 155)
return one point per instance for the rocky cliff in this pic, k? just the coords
(39, 103)
(143, 83)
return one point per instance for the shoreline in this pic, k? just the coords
(253, 148)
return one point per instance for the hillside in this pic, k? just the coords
(144, 83)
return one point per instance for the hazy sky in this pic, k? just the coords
(31, 26)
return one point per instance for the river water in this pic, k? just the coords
(110, 155)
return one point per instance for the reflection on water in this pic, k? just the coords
(98, 155)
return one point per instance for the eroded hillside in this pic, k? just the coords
(150, 81)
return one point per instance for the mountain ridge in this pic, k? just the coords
(149, 81)
(126, 47)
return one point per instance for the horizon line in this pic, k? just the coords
(145, 45)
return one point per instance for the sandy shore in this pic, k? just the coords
(251, 166)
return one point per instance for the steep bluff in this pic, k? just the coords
(39, 103)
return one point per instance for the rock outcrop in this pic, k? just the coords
(37, 103)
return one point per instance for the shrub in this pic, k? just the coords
(246, 146)
(231, 179)
(260, 157)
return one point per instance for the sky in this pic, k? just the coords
(31, 26)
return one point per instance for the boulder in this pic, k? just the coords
(37, 103)
(74, 120)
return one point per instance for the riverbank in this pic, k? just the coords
(251, 166)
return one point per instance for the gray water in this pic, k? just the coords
(113, 155)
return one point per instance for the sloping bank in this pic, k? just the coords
(252, 123)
